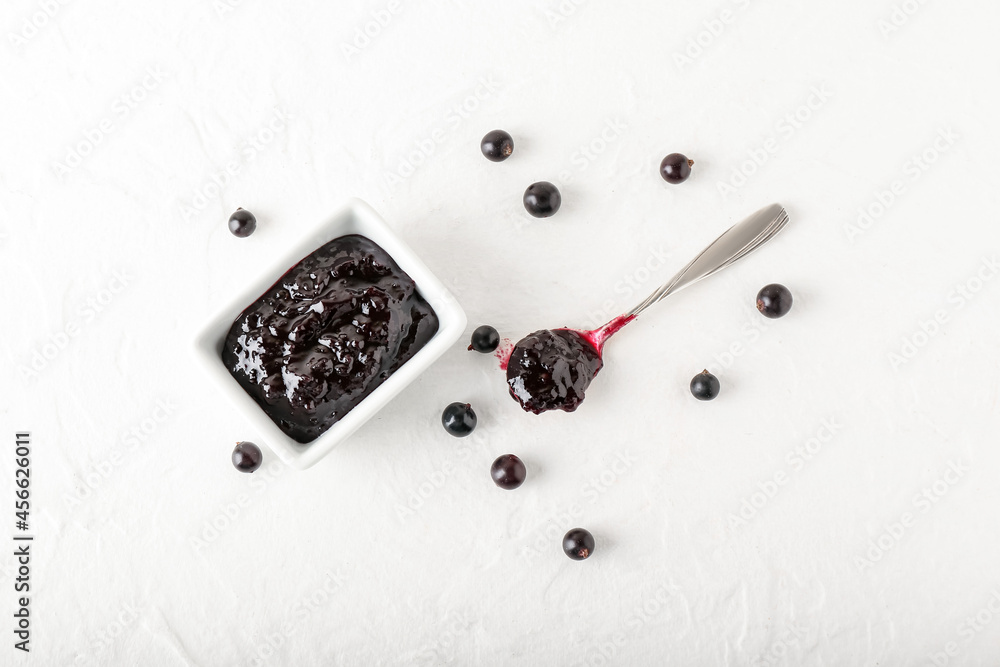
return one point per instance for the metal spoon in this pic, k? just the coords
(551, 369)
(738, 241)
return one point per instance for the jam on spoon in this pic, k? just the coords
(551, 369)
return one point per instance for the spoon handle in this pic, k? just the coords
(738, 241)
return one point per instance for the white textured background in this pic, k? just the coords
(806, 517)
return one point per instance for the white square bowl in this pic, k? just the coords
(356, 217)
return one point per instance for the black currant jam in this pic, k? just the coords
(323, 337)
(551, 370)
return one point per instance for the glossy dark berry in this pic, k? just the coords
(485, 339)
(459, 419)
(508, 472)
(705, 386)
(774, 301)
(242, 223)
(578, 544)
(497, 146)
(676, 168)
(542, 199)
(247, 457)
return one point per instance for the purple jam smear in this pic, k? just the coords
(551, 370)
(327, 334)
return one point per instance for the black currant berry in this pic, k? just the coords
(542, 199)
(247, 457)
(497, 146)
(578, 544)
(485, 339)
(242, 223)
(676, 168)
(705, 386)
(774, 301)
(508, 472)
(459, 419)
